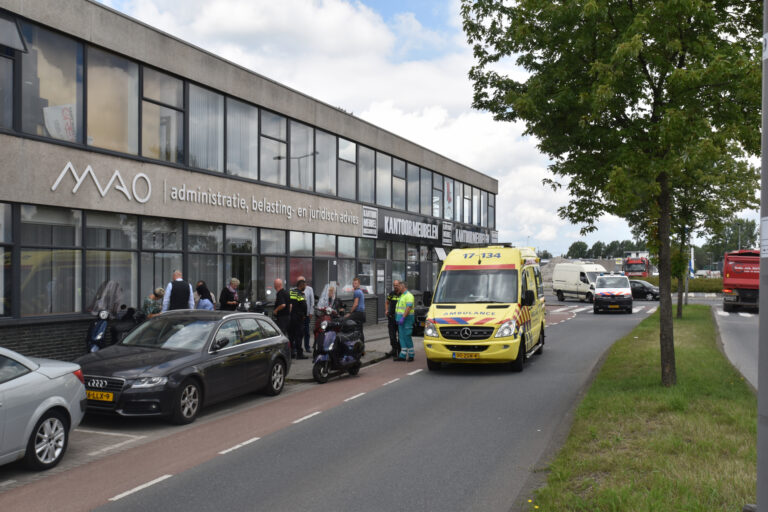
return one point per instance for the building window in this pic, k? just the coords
(162, 117)
(206, 129)
(484, 208)
(437, 195)
(458, 201)
(240, 262)
(6, 92)
(365, 248)
(272, 267)
(413, 188)
(51, 269)
(448, 199)
(161, 252)
(467, 204)
(492, 211)
(412, 267)
(383, 179)
(325, 246)
(300, 267)
(242, 139)
(5, 255)
(52, 85)
(346, 273)
(347, 169)
(366, 177)
(325, 163)
(426, 192)
(302, 157)
(273, 148)
(9, 34)
(398, 263)
(398, 184)
(300, 243)
(476, 206)
(383, 250)
(113, 99)
(205, 243)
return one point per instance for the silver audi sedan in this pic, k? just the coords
(41, 402)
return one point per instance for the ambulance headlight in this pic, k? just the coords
(430, 329)
(506, 330)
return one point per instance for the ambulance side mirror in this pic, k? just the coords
(528, 298)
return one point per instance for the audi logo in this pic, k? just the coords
(465, 333)
(97, 383)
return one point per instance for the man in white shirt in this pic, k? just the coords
(177, 295)
(309, 295)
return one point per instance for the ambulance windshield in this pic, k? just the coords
(473, 286)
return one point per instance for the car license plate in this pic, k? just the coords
(102, 396)
(465, 355)
(613, 306)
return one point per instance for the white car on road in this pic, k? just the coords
(41, 402)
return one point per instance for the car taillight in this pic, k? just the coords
(79, 374)
(725, 290)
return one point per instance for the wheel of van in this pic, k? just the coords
(560, 295)
(517, 365)
(590, 298)
(48, 441)
(649, 296)
(276, 378)
(187, 403)
(541, 341)
(434, 366)
(595, 310)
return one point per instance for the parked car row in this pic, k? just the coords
(170, 366)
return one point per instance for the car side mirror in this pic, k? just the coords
(219, 344)
(528, 298)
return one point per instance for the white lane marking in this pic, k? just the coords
(224, 452)
(710, 295)
(415, 371)
(638, 309)
(353, 397)
(581, 309)
(723, 313)
(652, 310)
(139, 488)
(307, 417)
(115, 446)
(745, 314)
(560, 310)
(7, 482)
(391, 382)
(107, 433)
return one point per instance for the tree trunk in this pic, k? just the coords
(666, 334)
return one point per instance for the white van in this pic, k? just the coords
(575, 280)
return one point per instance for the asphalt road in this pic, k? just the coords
(740, 338)
(465, 438)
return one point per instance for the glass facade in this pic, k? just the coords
(383, 180)
(6, 92)
(206, 129)
(325, 163)
(302, 157)
(426, 192)
(242, 139)
(273, 148)
(366, 175)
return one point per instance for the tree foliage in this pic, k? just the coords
(577, 250)
(728, 237)
(635, 101)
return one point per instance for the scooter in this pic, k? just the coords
(97, 332)
(338, 348)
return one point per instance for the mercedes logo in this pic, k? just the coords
(465, 333)
(97, 383)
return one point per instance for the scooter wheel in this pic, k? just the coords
(354, 370)
(320, 372)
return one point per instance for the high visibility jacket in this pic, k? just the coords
(299, 303)
(405, 300)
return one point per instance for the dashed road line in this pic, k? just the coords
(391, 382)
(103, 433)
(307, 417)
(353, 397)
(745, 314)
(7, 483)
(416, 371)
(722, 313)
(116, 446)
(581, 309)
(638, 309)
(139, 488)
(560, 310)
(244, 443)
(652, 310)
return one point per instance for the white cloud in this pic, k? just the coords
(344, 53)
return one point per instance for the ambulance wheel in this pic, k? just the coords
(517, 365)
(434, 366)
(560, 295)
(320, 372)
(541, 342)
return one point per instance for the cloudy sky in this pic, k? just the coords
(399, 64)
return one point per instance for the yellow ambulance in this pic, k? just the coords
(488, 307)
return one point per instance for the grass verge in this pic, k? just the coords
(637, 446)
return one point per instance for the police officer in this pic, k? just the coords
(298, 313)
(389, 308)
(405, 317)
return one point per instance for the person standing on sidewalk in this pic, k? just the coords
(309, 294)
(389, 308)
(178, 294)
(298, 314)
(405, 317)
(282, 309)
(358, 308)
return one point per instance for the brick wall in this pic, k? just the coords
(57, 340)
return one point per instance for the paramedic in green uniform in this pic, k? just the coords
(405, 317)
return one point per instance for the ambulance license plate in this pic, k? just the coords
(101, 396)
(466, 355)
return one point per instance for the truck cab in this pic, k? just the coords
(488, 307)
(741, 279)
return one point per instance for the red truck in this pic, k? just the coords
(741, 279)
(637, 267)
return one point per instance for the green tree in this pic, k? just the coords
(597, 250)
(544, 254)
(613, 250)
(728, 236)
(577, 250)
(622, 95)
